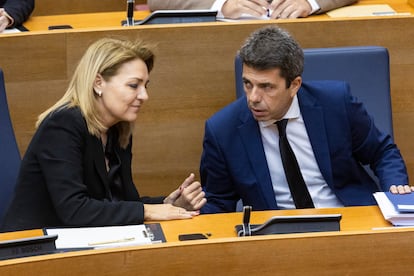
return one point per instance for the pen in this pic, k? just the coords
(111, 241)
(130, 12)
(268, 10)
(391, 13)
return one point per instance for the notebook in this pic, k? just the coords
(402, 203)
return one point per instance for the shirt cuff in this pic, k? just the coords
(314, 5)
(217, 5)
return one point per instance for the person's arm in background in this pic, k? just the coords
(327, 5)
(15, 12)
(236, 8)
(226, 8)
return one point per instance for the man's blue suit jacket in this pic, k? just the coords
(343, 136)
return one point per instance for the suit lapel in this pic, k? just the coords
(130, 192)
(314, 122)
(99, 162)
(252, 140)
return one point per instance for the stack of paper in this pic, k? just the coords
(397, 209)
(102, 237)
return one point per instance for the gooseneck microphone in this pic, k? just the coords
(130, 12)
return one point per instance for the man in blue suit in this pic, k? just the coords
(329, 131)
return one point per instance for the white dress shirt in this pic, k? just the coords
(321, 193)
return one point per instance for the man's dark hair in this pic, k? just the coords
(272, 47)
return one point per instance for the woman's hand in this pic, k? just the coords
(401, 189)
(166, 212)
(189, 195)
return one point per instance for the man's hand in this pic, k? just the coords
(289, 9)
(234, 9)
(401, 189)
(189, 195)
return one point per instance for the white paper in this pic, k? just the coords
(243, 18)
(10, 31)
(361, 10)
(100, 237)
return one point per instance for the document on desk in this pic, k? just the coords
(243, 17)
(365, 10)
(10, 31)
(104, 237)
(390, 212)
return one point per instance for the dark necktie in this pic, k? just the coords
(297, 186)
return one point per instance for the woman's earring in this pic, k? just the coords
(98, 92)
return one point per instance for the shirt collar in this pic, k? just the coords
(292, 113)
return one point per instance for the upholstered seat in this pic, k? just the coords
(9, 153)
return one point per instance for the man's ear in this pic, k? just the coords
(295, 85)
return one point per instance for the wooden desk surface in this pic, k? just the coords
(355, 250)
(222, 225)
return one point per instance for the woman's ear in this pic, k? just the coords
(97, 84)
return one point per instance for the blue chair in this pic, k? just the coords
(9, 153)
(365, 68)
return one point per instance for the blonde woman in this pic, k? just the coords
(77, 168)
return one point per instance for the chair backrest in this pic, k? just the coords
(365, 68)
(9, 153)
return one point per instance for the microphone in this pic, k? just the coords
(130, 12)
(246, 220)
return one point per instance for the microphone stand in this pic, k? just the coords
(130, 12)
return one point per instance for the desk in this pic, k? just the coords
(193, 77)
(81, 20)
(355, 250)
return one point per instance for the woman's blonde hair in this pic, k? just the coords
(103, 57)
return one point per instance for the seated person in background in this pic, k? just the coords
(234, 9)
(330, 133)
(77, 168)
(14, 12)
